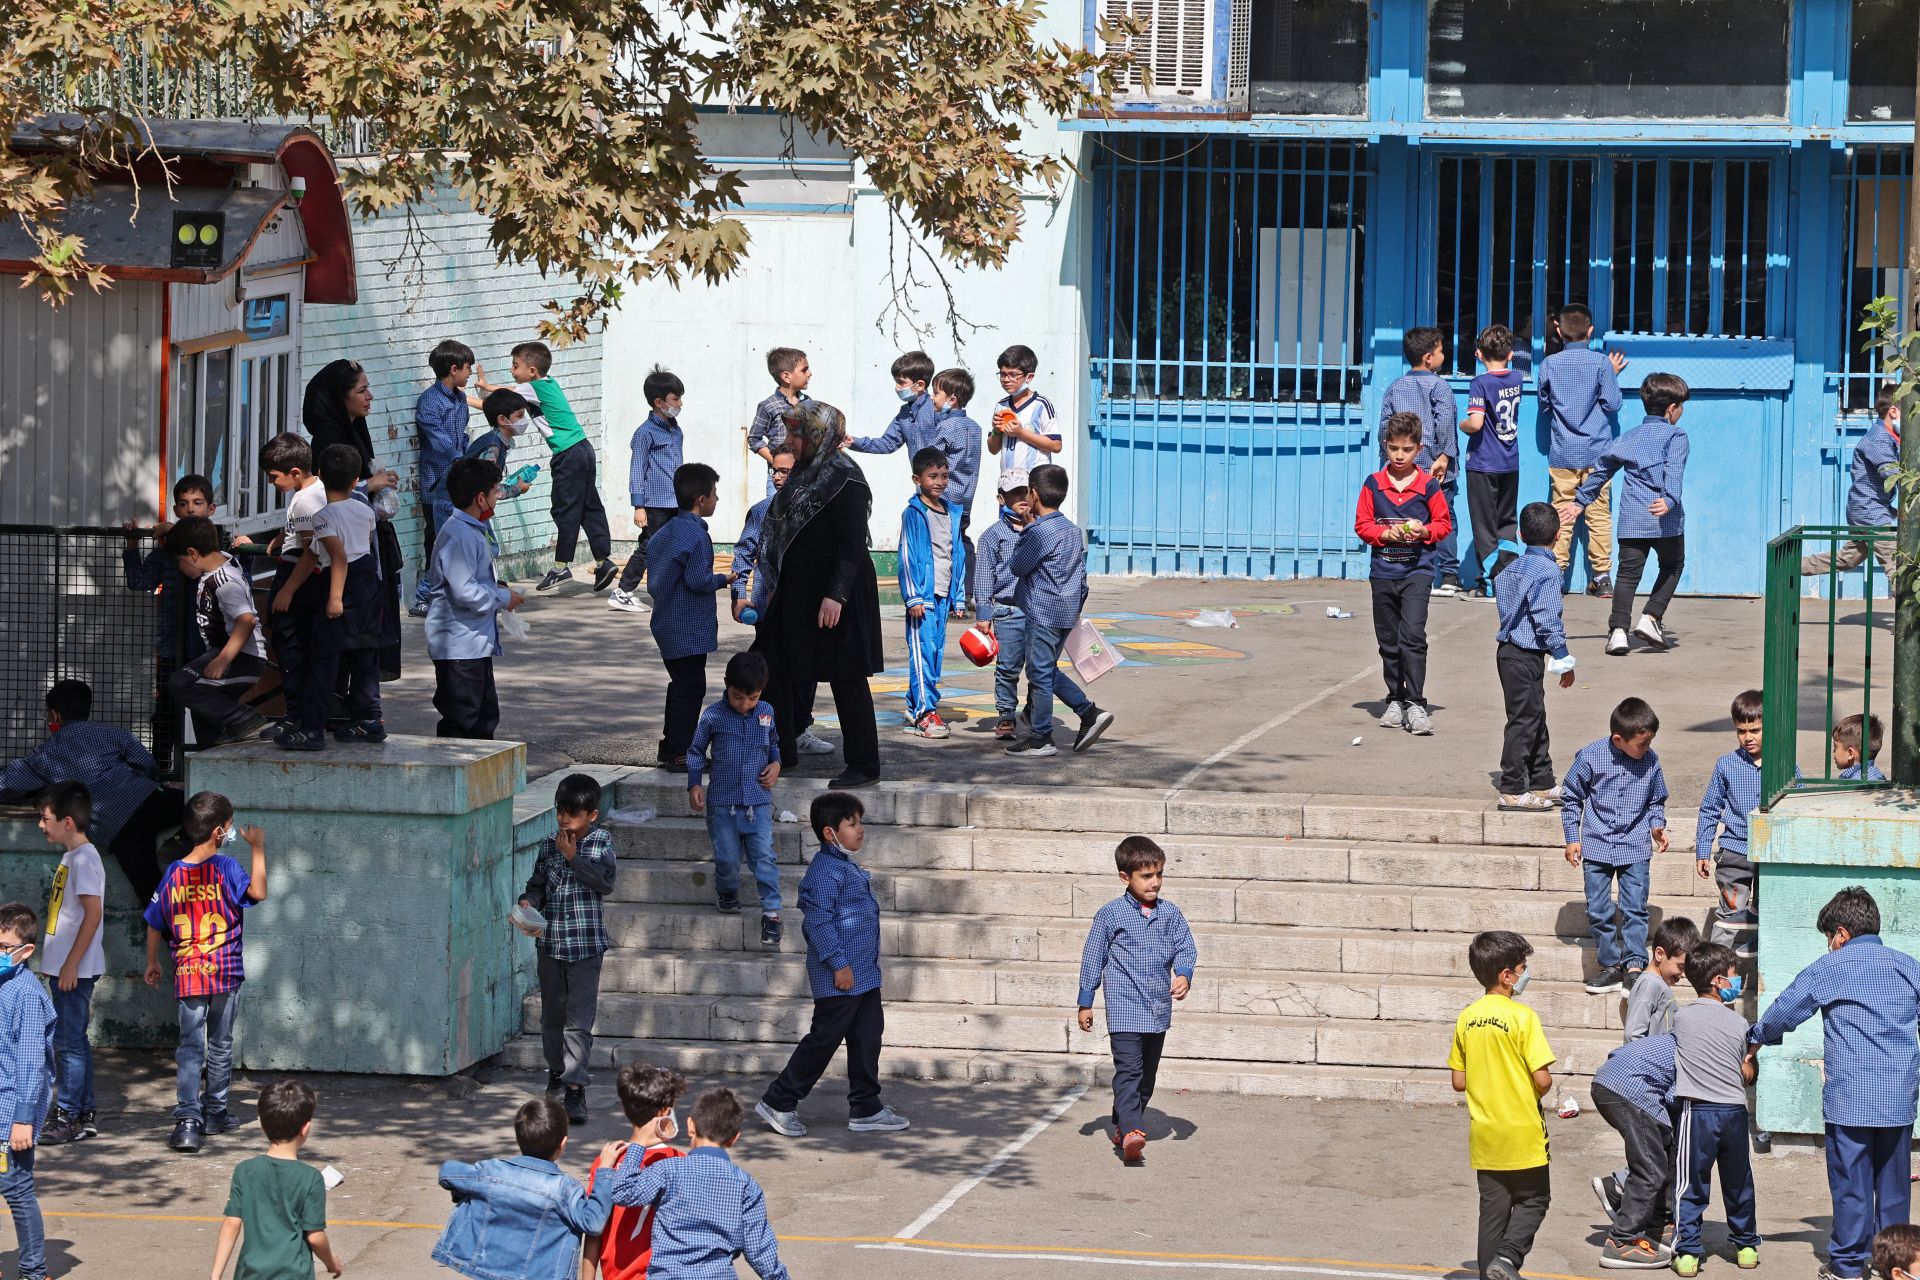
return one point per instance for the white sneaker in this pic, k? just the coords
(627, 602)
(1650, 630)
(1617, 643)
(810, 743)
(1395, 716)
(785, 1123)
(1419, 723)
(882, 1121)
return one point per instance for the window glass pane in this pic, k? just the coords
(184, 443)
(1880, 84)
(264, 318)
(1309, 57)
(216, 369)
(1878, 184)
(1609, 59)
(246, 479)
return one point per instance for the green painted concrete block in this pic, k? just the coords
(1809, 847)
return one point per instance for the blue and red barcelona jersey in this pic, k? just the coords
(198, 908)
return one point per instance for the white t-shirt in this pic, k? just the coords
(349, 520)
(301, 510)
(80, 875)
(229, 591)
(1037, 416)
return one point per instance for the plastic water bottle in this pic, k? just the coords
(750, 616)
(526, 474)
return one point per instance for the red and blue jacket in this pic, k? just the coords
(1383, 508)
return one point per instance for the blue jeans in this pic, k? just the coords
(1045, 679)
(729, 841)
(206, 1040)
(1446, 552)
(1619, 943)
(72, 1055)
(1867, 1175)
(16, 1186)
(1010, 629)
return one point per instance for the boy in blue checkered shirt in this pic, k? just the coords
(685, 621)
(573, 872)
(1136, 941)
(26, 1053)
(1733, 793)
(739, 732)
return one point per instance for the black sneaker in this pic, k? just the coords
(1604, 981)
(675, 764)
(244, 728)
(361, 731)
(1092, 725)
(216, 1123)
(555, 576)
(604, 573)
(186, 1137)
(554, 1087)
(848, 780)
(1630, 977)
(576, 1103)
(300, 740)
(59, 1131)
(88, 1129)
(1035, 748)
(770, 932)
(729, 904)
(1606, 1189)
(1601, 586)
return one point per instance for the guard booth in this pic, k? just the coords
(188, 363)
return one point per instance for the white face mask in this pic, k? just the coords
(668, 412)
(518, 425)
(669, 1127)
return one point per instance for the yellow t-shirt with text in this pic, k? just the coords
(1498, 1042)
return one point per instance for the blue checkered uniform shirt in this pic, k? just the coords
(569, 895)
(1868, 996)
(1654, 456)
(1580, 388)
(745, 548)
(1049, 565)
(1133, 953)
(1527, 595)
(1429, 397)
(741, 746)
(26, 1049)
(681, 580)
(1732, 794)
(770, 421)
(440, 418)
(841, 921)
(1641, 1072)
(658, 446)
(1610, 804)
(118, 772)
(707, 1211)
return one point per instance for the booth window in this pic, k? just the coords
(228, 402)
(1309, 57)
(1880, 79)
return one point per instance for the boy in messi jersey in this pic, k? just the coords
(197, 909)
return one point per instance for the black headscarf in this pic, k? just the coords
(816, 480)
(324, 413)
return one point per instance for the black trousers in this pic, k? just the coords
(1513, 1204)
(1525, 762)
(463, 695)
(217, 703)
(637, 562)
(291, 631)
(857, 1021)
(1646, 1202)
(1400, 627)
(1633, 563)
(576, 504)
(358, 669)
(134, 846)
(1493, 503)
(1136, 1068)
(686, 691)
(792, 698)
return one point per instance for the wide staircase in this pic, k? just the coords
(1332, 933)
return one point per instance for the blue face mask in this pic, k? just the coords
(905, 393)
(1731, 992)
(7, 962)
(1520, 983)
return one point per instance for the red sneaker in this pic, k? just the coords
(1134, 1146)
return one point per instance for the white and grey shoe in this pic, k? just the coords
(1617, 645)
(1419, 723)
(885, 1120)
(1395, 716)
(627, 602)
(1650, 630)
(785, 1123)
(810, 743)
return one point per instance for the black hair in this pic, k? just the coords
(195, 533)
(70, 700)
(1018, 357)
(1706, 962)
(1576, 322)
(449, 354)
(693, 481)
(18, 919)
(914, 366)
(927, 457)
(540, 1126)
(286, 1106)
(1492, 953)
(1848, 733)
(68, 800)
(660, 384)
(502, 402)
(783, 360)
(1539, 524)
(286, 453)
(645, 1091)
(1495, 342)
(831, 808)
(1748, 706)
(468, 478)
(1675, 935)
(1137, 853)
(1883, 401)
(1419, 341)
(577, 793)
(193, 482)
(535, 356)
(1852, 909)
(785, 446)
(204, 811)
(1048, 481)
(716, 1116)
(1632, 718)
(1895, 1245)
(1659, 392)
(339, 467)
(1402, 426)
(747, 671)
(957, 383)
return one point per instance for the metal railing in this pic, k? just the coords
(1786, 615)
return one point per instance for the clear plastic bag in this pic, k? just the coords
(513, 626)
(1213, 618)
(527, 920)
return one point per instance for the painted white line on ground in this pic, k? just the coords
(1190, 776)
(992, 1166)
(1189, 1264)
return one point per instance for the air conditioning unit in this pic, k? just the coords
(1189, 58)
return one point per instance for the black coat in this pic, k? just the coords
(828, 560)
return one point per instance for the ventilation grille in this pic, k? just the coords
(1174, 48)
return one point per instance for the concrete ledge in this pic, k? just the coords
(403, 775)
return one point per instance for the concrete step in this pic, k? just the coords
(1122, 811)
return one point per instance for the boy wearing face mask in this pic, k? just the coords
(26, 1047)
(659, 447)
(1712, 1067)
(463, 633)
(624, 1249)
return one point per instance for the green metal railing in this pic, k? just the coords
(1779, 767)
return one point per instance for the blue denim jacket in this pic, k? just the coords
(518, 1219)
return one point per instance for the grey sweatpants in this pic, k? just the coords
(569, 1000)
